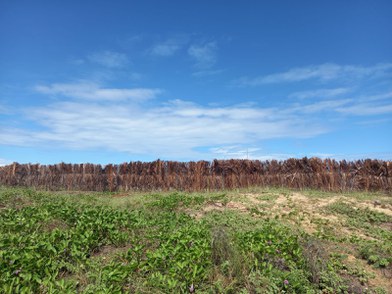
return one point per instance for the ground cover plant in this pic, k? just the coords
(245, 241)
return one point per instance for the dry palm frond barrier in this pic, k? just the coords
(327, 174)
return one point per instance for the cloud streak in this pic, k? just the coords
(167, 48)
(322, 73)
(366, 109)
(242, 152)
(319, 106)
(92, 91)
(207, 73)
(204, 55)
(109, 59)
(4, 161)
(171, 130)
(320, 93)
(87, 115)
(176, 128)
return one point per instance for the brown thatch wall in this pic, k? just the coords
(328, 174)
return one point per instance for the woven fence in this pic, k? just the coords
(327, 174)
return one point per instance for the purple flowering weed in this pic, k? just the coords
(17, 272)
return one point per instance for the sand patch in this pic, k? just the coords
(385, 208)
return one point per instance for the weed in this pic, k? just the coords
(145, 243)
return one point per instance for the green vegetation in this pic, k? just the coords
(378, 250)
(254, 241)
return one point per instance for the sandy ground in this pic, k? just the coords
(310, 213)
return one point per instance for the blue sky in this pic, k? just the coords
(116, 81)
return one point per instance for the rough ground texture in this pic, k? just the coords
(313, 213)
(257, 240)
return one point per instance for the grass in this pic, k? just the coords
(245, 241)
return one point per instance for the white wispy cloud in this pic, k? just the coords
(319, 106)
(238, 152)
(375, 121)
(369, 105)
(376, 97)
(243, 152)
(4, 161)
(249, 153)
(373, 155)
(93, 91)
(109, 59)
(17, 137)
(203, 54)
(320, 93)
(91, 115)
(359, 106)
(323, 72)
(176, 128)
(167, 48)
(366, 109)
(171, 130)
(363, 105)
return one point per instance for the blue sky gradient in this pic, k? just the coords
(110, 82)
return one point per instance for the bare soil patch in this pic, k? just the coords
(54, 224)
(108, 251)
(237, 206)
